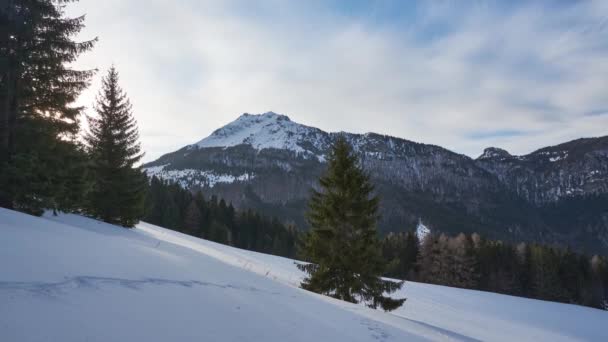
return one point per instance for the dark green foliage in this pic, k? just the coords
(461, 262)
(38, 121)
(170, 206)
(342, 245)
(545, 267)
(495, 273)
(402, 251)
(528, 270)
(193, 219)
(597, 291)
(165, 204)
(53, 175)
(118, 190)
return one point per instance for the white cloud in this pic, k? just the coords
(190, 67)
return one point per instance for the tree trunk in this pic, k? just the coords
(7, 102)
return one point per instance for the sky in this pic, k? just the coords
(464, 75)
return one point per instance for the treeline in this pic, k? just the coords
(169, 205)
(47, 161)
(527, 270)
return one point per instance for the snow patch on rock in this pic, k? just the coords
(187, 178)
(422, 231)
(561, 156)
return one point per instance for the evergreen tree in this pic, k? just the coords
(402, 250)
(523, 267)
(193, 218)
(599, 282)
(38, 121)
(343, 245)
(119, 187)
(546, 282)
(463, 262)
(431, 260)
(171, 206)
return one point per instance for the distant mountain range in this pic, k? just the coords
(267, 162)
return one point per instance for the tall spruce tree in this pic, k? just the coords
(38, 120)
(118, 191)
(462, 262)
(343, 246)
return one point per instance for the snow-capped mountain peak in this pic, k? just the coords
(267, 130)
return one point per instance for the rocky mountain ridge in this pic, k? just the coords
(270, 163)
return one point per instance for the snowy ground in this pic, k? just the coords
(69, 278)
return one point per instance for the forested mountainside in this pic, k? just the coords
(267, 162)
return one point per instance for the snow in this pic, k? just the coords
(193, 177)
(422, 231)
(553, 155)
(70, 278)
(562, 156)
(268, 130)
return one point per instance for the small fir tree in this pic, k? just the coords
(342, 245)
(118, 191)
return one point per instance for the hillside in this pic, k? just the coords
(268, 162)
(78, 279)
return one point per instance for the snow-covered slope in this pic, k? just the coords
(70, 278)
(268, 130)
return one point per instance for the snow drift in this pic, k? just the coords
(69, 278)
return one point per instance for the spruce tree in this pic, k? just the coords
(118, 191)
(463, 264)
(546, 282)
(430, 260)
(38, 119)
(342, 245)
(402, 250)
(192, 219)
